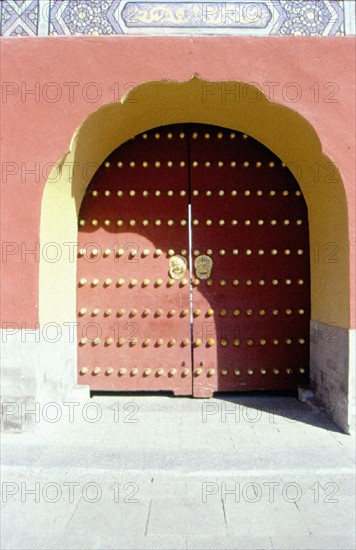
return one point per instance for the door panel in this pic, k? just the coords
(250, 217)
(138, 200)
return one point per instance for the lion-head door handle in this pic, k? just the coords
(177, 267)
(203, 266)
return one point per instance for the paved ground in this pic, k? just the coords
(171, 473)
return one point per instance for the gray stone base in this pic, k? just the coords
(38, 367)
(332, 371)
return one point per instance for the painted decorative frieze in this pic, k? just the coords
(187, 18)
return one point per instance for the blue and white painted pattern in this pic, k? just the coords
(115, 17)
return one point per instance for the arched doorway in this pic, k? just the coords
(193, 267)
(284, 131)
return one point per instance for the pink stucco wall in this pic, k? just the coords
(39, 129)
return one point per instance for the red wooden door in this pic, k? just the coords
(246, 303)
(133, 314)
(251, 323)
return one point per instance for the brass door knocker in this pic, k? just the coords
(203, 266)
(177, 267)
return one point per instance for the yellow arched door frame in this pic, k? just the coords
(152, 104)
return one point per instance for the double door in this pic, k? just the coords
(193, 267)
